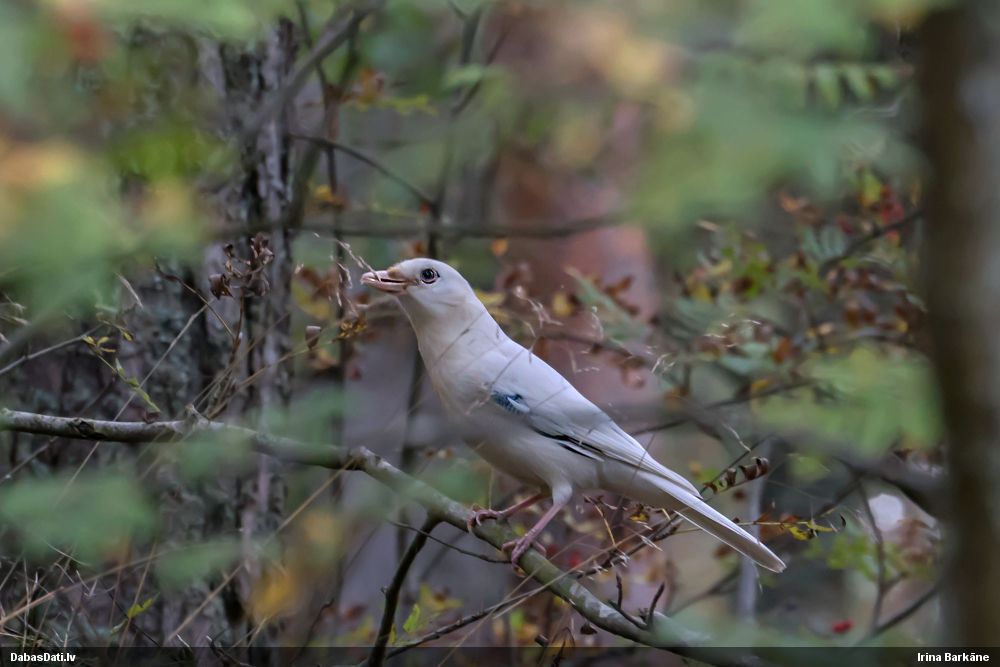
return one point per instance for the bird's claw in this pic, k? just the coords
(520, 546)
(478, 515)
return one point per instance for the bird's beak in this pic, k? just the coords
(389, 281)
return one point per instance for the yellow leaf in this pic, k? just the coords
(700, 292)
(319, 309)
(800, 533)
(137, 609)
(490, 299)
(561, 305)
(639, 516)
(436, 602)
(324, 195)
(871, 188)
(721, 269)
(278, 591)
(320, 528)
(499, 247)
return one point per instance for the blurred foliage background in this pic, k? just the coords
(707, 214)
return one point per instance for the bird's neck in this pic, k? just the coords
(465, 330)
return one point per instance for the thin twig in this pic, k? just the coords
(364, 225)
(482, 557)
(649, 615)
(377, 655)
(904, 613)
(463, 622)
(725, 403)
(40, 353)
(336, 32)
(876, 233)
(421, 196)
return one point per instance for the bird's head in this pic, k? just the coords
(427, 290)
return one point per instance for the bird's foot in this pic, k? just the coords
(478, 515)
(520, 546)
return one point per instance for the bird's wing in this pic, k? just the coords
(534, 391)
(530, 390)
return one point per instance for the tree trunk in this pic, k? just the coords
(960, 83)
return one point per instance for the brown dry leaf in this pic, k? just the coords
(415, 249)
(316, 308)
(219, 285)
(369, 86)
(790, 203)
(783, 350)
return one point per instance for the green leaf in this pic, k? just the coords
(176, 569)
(467, 75)
(858, 82)
(885, 75)
(870, 399)
(203, 456)
(137, 609)
(94, 515)
(132, 612)
(827, 85)
(808, 467)
(412, 622)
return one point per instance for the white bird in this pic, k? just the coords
(527, 420)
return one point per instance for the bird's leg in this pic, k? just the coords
(519, 546)
(478, 515)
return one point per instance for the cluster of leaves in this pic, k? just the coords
(248, 274)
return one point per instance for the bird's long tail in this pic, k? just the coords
(711, 521)
(689, 505)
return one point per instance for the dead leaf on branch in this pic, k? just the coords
(729, 478)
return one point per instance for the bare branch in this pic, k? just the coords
(40, 353)
(504, 604)
(361, 223)
(336, 32)
(421, 196)
(377, 656)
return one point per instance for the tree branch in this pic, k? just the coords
(877, 233)
(377, 656)
(463, 622)
(40, 353)
(662, 633)
(376, 164)
(915, 605)
(338, 29)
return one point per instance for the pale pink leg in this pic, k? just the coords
(522, 544)
(479, 515)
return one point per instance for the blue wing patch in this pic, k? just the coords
(512, 403)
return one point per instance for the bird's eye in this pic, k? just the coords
(428, 275)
